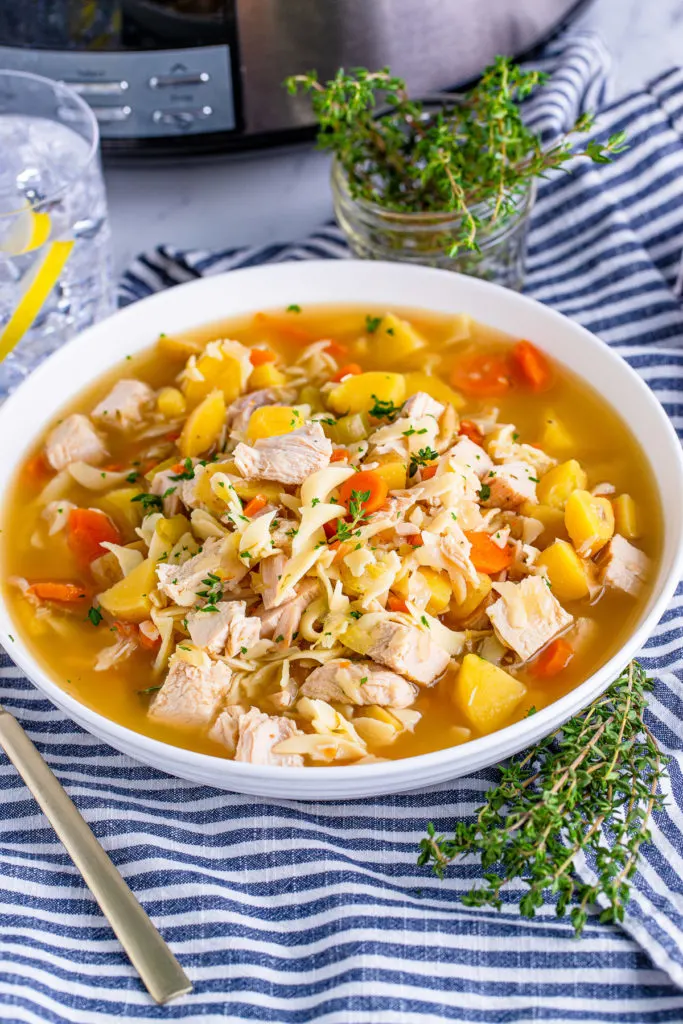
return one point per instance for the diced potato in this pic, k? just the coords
(626, 516)
(161, 466)
(552, 518)
(223, 375)
(394, 473)
(359, 393)
(433, 386)
(589, 521)
(347, 430)
(558, 483)
(171, 403)
(129, 598)
(266, 376)
(203, 426)
(119, 504)
(394, 340)
(312, 397)
(556, 438)
(475, 595)
(567, 574)
(179, 348)
(273, 420)
(440, 588)
(486, 694)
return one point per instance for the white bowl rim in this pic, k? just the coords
(484, 750)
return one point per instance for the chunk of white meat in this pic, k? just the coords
(182, 582)
(225, 729)
(238, 413)
(271, 572)
(289, 458)
(503, 447)
(527, 615)
(358, 682)
(260, 733)
(124, 406)
(281, 623)
(623, 566)
(510, 485)
(191, 694)
(224, 626)
(407, 650)
(74, 440)
(421, 404)
(167, 489)
(467, 453)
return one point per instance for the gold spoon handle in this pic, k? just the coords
(159, 970)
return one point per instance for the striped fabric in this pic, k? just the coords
(290, 913)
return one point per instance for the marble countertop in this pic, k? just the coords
(283, 194)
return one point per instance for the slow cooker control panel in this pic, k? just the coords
(143, 95)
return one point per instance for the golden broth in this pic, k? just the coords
(603, 445)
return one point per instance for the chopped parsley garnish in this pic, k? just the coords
(421, 458)
(390, 330)
(423, 620)
(363, 681)
(314, 502)
(356, 615)
(150, 689)
(132, 477)
(243, 650)
(148, 501)
(484, 492)
(293, 308)
(95, 616)
(168, 492)
(187, 473)
(384, 410)
(279, 638)
(372, 323)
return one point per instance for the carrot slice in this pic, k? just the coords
(553, 659)
(259, 356)
(148, 635)
(415, 540)
(369, 483)
(396, 604)
(69, 593)
(428, 472)
(485, 555)
(339, 455)
(36, 467)
(351, 368)
(469, 429)
(533, 365)
(484, 374)
(336, 350)
(88, 529)
(258, 502)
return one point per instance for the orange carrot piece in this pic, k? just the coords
(366, 482)
(415, 540)
(36, 467)
(259, 356)
(88, 529)
(485, 555)
(483, 374)
(469, 429)
(533, 365)
(178, 468)
(336, 350)
(428, 472)
(330, 529)
(553, 659)
(396, 604)
(339, 455)
(290, 331)
(344, 371)
(69, 593)
(148, 635)
(113, 467)
(258, 502)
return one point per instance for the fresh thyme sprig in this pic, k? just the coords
(589, 787)
(345, 530)
(474, 157)
(421, 458)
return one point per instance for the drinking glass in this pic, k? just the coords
(55, 274)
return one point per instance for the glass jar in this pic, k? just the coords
(374, 233)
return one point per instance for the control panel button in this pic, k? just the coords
(182, 119)
(179, 78)
(95, 89)
(110, 115)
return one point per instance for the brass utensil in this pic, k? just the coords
(159, 970)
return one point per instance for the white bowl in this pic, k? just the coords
(388, 285)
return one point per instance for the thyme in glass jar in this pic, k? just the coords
(474, 157)
(589, 787)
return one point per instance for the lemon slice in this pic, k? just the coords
(29, 231)
(37, 285)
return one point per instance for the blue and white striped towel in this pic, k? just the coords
(290, 913)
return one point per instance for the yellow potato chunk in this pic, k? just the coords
(273, 420)
(129, 598)
(171, 530)
(347, 430)
(559, 482)
(171, 403)
(486, 694)
(440, 589)
(394, 340)
(626, 516)
(223, 374)
(556, 438)
(567, 573)
(119, 504)
(266, 376)
(179, 348)
(589, 521)
(552, 518)
(394, 473)
(203, 426)
(311, 396)
(475, 595)
(359, 393)
(434, 387)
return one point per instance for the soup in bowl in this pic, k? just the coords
(326, 536)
